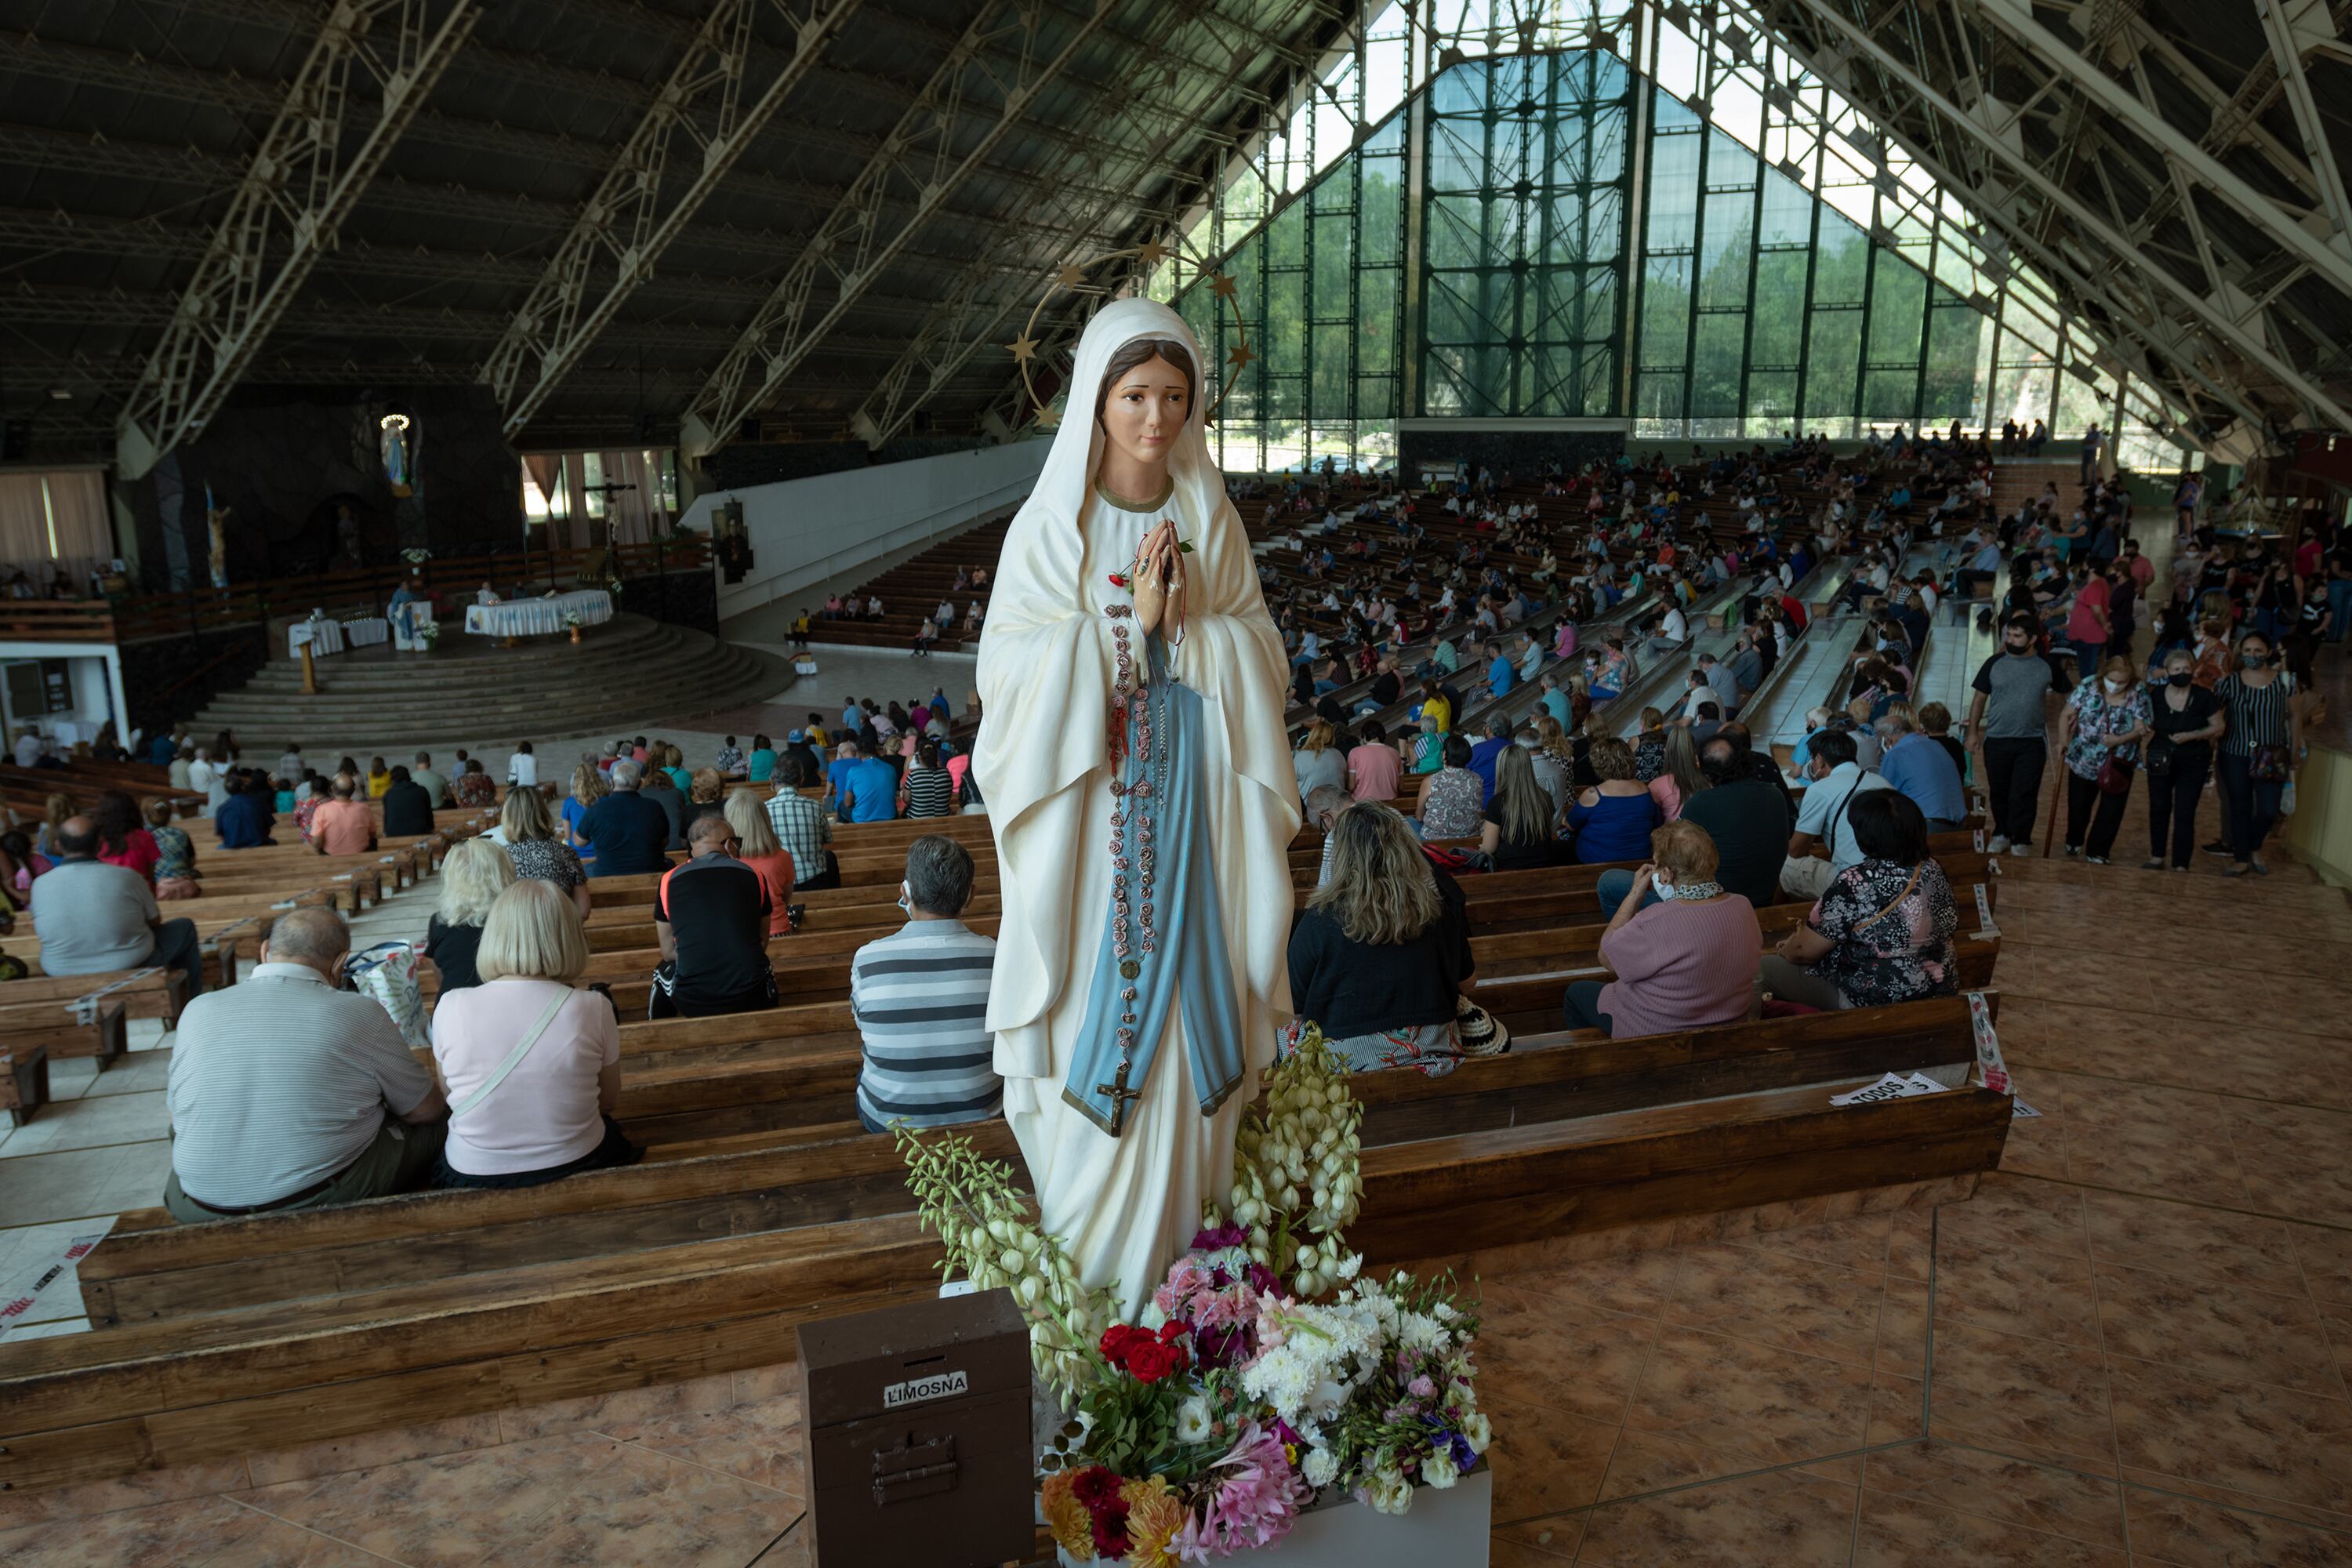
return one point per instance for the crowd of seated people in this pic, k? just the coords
(1494, 734)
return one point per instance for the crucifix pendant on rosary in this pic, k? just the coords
(1118, 1094)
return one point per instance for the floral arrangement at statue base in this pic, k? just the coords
(1265, 1371)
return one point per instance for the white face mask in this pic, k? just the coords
(2115, 687)
(905, 897)
(1664, 890)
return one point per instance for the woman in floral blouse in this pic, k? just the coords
(1883, 930)
(2109, 717)
(176, 864)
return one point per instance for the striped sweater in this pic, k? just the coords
(920, 998)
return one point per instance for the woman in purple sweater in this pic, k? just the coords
(1685, 963)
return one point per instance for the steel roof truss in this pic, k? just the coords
(301, 183)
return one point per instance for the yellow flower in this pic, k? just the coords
(1067, 1517)
(1154, 1517)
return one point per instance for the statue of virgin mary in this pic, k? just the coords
(1140, 789)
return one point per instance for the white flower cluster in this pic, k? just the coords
(992, 1239)
(1311, 1360)
(1296, 1168)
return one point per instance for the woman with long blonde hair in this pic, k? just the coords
(757, 846)
(1380, 954)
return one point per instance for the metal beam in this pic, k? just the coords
(1859, 40)
(853, 244)
(2286, 53)
(964, 321)
(2014, 18)
(302, 183)
(627, 224)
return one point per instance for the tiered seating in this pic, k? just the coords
(45, 1017)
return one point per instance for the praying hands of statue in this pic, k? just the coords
(1159, 579)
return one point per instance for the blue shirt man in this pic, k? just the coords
(1482, 761)
(869, 791)
(244, 820)
(1500, 676)
(835, 773)
(1923, 770)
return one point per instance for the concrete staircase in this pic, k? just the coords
(626, 675)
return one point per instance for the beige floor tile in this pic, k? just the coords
(1545, 1461)
(1791, 1517)
(1758, 1402)
(2086, 1509)
(2256, 1441)
(2035, 1399)
(2169, 1528)
(91, 1122)
(1903, 1530)
(2216, 1329)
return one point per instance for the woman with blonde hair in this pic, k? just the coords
(473, 874)
(54, 812)
(757, 846)
(1318, 759)
(1684, 963)
(1380, 954)
(588, 787)
(531, 1063)
(537, 852)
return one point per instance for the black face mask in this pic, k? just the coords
(2019, 647)
(2253, 660)
(2182, 679)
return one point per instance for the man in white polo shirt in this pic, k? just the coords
(288, 1093)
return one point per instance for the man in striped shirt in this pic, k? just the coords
(920, 998)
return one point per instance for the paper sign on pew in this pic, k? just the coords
(1989, 1058)
(16, 1306)
(1894, 1086)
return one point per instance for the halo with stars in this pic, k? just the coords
(1074, 275)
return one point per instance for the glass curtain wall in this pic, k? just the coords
(1320, 286)
(1524, 236)
(1781, 262)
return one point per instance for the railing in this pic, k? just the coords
(53, 620)
(251, 605)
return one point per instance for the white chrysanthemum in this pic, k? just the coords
(1192, 1420)
(1321, 1467)
(1350, 1266)
(1418, 1332)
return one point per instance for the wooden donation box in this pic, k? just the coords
(914, 1422)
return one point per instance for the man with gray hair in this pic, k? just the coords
(629, 833)
(287, 1092)
(1922, 770)
(920, 998)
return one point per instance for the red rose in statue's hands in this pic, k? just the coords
(1172, 1331)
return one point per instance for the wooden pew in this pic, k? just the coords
(176, 1391)
(154, 1268)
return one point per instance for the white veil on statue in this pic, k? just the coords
(1046, 678)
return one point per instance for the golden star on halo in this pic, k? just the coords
(1151, 253)
(1070, 276)
(1222, 285)
(1023, 349)
(1047, 418)
(1239, 355)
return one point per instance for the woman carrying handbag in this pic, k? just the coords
(2105, 721)
(2260, 752)
(2188, 720)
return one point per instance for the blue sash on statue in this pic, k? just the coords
(1190, 968)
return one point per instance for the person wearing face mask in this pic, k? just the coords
(2186, 720)
(1686, 960)
(2104, 723)
(2008, 725)
(920, 999)
(2262, 748)
(1826, 815)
